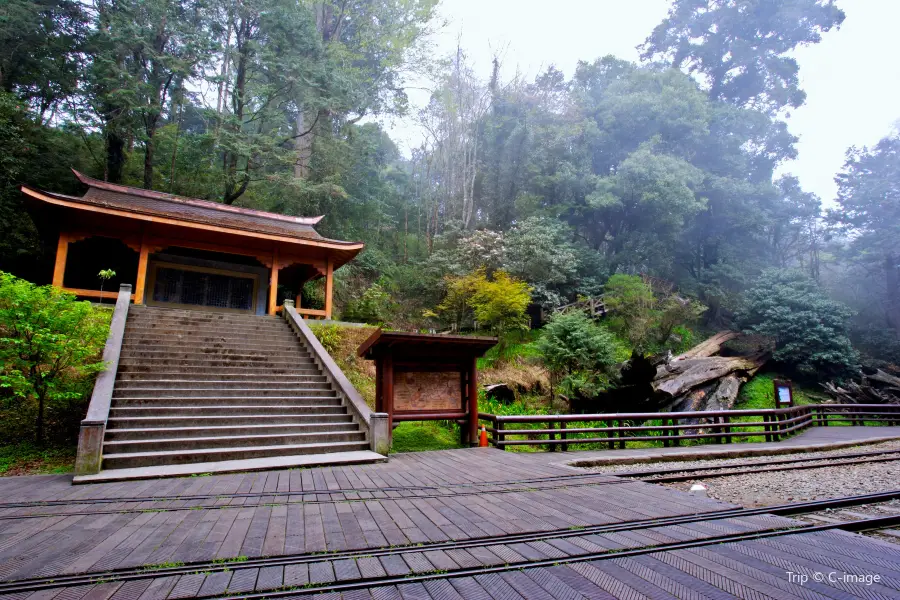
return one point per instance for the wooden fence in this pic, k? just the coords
(615, 430)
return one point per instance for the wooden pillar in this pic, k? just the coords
(62, 251)
(387, 388)
(379, 381)
(273, 282)
(141, 271)
(473, 402)
(329, 286)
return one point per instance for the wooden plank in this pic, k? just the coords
(62, 251)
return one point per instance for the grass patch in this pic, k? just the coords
(27, 459)
(418, 436)
(341, 342)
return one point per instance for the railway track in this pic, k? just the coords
(721, 518)
(676, 474)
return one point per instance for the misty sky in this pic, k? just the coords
(852, 78)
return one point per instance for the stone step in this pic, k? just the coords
(277, 418)
(246, 383)
(221, 375)
(255, 370)
(194, 430)
(220, 400)
(183, 334)
(331, 458)
(225, 410)
(321, 390)
(222, 341)
(216, 363)
(139, 312)
(227, 442)
(210, 329)
(183, 457)
(188, 353)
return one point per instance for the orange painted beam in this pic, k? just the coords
(273, 282)
(62, 252)
(141, 272)
(329, 287)
(105, 294)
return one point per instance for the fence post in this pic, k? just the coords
(609, 434)
(727, 428)
(665, 434)
(621, 435)
(676, 440)
(777, 427)
(563, 436)
(498, 426)
(551, 436)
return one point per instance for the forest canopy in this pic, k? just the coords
(665, 168)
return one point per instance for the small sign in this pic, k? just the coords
(784, 394)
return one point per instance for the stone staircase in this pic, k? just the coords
(205, 387)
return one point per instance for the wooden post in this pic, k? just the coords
(499, 437)
(551, 436)
(329, 286)
(273, 283)
(141, 271)
(727, 420)
(387, 389)
(563, 436)
(473, 395)
(379, 391)
(62, 251)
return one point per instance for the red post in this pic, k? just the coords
(387, 388)
(473, 402)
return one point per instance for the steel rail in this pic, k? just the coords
(145, 572)
(699, 474)
(371, 582)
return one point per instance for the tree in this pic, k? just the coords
(41, 50)
(810, 331)
(742, 48)
(631, 302)
(500, 303)
(540, 251)
(869, 201)
(48, 344)
(577, 351)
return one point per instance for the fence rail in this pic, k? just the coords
(724, 427)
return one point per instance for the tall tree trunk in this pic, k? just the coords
(303, 144)
(115, 156)
(892, 279)
(149, 147)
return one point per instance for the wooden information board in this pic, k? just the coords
(421, 377)
(427, 391)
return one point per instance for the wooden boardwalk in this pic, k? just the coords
(453, 524)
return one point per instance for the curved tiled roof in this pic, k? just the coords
(192, 210)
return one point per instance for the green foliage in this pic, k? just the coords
(810, 331)
(759, 393)
(743, 48)
(631, 302)
(500, 303)
(647, 322)
(49, 350)
(329, 336)
(578, 353)
(425, 435)
(26, 458)
(374, 306)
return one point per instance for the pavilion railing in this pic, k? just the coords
(617, 430)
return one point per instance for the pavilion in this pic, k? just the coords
(184, 252)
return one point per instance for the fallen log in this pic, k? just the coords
(708, 347)
(679, 377)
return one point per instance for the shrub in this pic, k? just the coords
(50, 347)
(810, 330)
(647, 322)
(497, 304)
(374, 306)
(578, 353)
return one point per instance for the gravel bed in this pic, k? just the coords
(694, 464)
(781, 487)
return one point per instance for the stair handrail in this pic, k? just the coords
(376, 423)
(93, 426)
